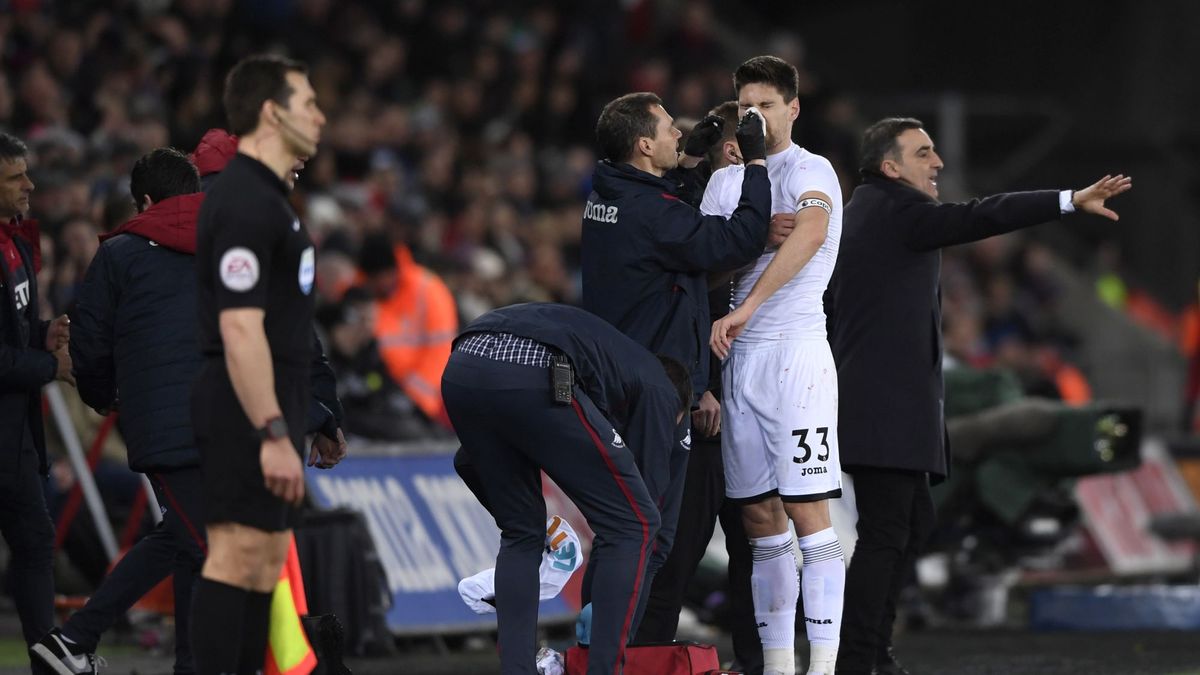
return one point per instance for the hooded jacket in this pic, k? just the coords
(646, 255)
(25, 365)
(213, 152)
(133, 332)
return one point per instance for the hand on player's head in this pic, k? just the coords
(703, 136)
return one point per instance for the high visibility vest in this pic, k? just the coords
(415, 328)
(288, 649)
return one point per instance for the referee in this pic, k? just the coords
(255, 266)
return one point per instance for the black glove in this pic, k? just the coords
(752, 141)
(704, 135)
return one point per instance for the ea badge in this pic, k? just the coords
(308, 269)
(239, 269)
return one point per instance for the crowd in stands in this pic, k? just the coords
(453, 169)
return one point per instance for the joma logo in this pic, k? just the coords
(600, 213)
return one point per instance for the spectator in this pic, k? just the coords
(375, 406)
(416, 319)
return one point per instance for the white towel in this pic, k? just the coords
(562, 556)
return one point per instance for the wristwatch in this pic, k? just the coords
(273, 430)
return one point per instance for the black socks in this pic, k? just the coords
(219, 627)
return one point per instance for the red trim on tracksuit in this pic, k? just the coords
(182, 515)
(637, 580)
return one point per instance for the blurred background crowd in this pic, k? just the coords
(459, 151)
(460, 133)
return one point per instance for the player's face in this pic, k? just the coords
(919, 164)
(778, 113)
(304, 119)
(664, 147)
(15, 187)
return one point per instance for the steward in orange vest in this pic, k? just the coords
(416, 319)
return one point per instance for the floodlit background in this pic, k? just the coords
(460, 135)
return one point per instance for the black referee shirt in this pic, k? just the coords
(252, 251)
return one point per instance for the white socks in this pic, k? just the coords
(775, 587)
(823, 585)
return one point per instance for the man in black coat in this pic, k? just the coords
(884, 308)
(32, 353)
(134, 348)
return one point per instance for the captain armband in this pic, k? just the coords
(812, 201)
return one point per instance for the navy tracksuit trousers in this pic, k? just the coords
(176, 546)
(510, 429)
(29, 533)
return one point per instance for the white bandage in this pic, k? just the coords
(761, 120)
(813, 201)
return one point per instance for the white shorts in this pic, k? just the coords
(779, 421)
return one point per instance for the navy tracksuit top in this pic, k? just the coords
(626, 382)
(646, 255)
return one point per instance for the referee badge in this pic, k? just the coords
(239, 269)
(308, 270)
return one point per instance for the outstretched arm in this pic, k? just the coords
(931, 226)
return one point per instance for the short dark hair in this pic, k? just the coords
(680, 378)
(623, 121)
(377, 254)
(254, 81)
(879, 141)
(770, 70)
(162, 173)
(12, 148)
(728, 112)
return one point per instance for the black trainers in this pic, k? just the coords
(57, 654)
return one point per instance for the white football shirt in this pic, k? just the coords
(796, 310)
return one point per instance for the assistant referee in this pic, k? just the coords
(255, 265)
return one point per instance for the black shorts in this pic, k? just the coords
(234, 488)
